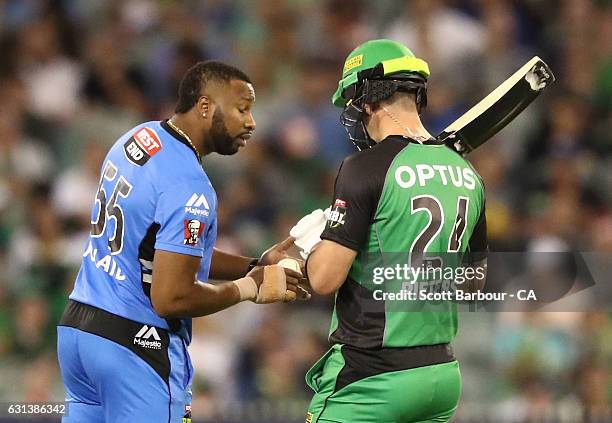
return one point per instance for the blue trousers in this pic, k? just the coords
(107, 382)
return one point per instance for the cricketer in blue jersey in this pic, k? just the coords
(122, 341)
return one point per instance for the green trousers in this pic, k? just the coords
(419, 395)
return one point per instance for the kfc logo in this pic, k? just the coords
(192, 231)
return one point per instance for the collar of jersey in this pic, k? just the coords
(431, 141)
(179, 137)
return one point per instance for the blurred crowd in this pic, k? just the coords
(76, 74)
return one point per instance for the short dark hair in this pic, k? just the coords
(198, 76)
(404, 96)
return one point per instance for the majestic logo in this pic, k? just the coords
(192, 229)
(144, 335)
(143, 145)
(195, 204)
(337, 214)
(198, 201)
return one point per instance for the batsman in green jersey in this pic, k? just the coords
(403, 192)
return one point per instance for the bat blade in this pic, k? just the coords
(499, 108)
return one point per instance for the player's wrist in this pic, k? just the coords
(247, 288)
(254, 262)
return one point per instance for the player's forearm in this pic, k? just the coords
(225, 266)
(200, 300)
(176, 293)
(327, 266)
(318, 276)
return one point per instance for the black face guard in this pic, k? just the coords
(371, 91)
(352, 120)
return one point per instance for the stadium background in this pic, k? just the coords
(75, 74)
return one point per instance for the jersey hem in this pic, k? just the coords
(345, 243)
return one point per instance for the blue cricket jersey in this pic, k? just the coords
(153, 194)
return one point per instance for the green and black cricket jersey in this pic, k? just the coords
(401, 196)
(390, 365)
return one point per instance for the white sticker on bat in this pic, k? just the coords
(536, 80)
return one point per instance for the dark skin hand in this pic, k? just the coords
(176, 293)
(293, 280)
(225, 266)
(278, 252)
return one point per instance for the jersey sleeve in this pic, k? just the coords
(354, 205)
(478, 244)
(184, 217)
(210, 236)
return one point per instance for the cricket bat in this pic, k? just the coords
(499, 108)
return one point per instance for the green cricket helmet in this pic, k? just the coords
(373, 72)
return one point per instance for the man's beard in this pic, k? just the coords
(222, 141)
